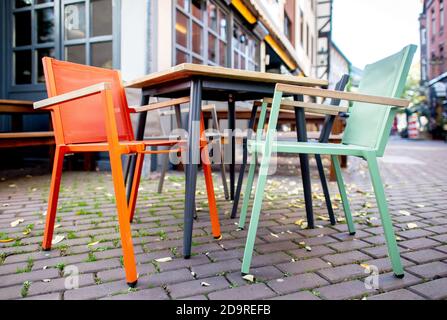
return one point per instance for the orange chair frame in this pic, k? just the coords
(115, 137)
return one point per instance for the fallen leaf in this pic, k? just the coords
(193, 274)
(404, 213)
(412, 226)
(249, 278)
(46, 280)
(308, 249)
(17, 222)
(57, 239)
(45, 268)
(420, 206)
(274, 235)
(299, 222)
(205, 284)
(26, 232)
(161, 260)
(6, 240)
(92, 244)
(364, 266)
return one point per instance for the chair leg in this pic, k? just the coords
(223, 173)
(135, 185)
(123, 219)
(206, 164)
(56, 176)
(164, 169)
(325, 187)
(343, 195)
(240, 180)
(214, 214)
(251, 126)
(247, 193)
(256, 211)
(387, 224)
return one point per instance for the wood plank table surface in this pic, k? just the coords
(211, 83)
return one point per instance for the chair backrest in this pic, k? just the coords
(369, 125)
(84, 120)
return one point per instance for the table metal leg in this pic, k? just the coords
(325, 133)
(232, 127)
(193, 160)
(300, 119)
(130, 168)
(237, 196)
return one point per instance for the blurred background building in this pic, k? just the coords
(143, 36)
(433, 30)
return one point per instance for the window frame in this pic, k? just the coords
(37, 89)
(232, 19)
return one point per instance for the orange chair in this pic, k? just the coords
(90, 114)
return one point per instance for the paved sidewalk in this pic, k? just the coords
(332, 266)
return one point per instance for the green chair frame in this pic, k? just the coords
(366, 136)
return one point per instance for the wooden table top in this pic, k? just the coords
(187, 70)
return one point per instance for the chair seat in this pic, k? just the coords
(311, 148)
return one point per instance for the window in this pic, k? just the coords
(308, 45)
(245, 50)
(75, 30)
(441, 54)
(288, 27)
(433, 22)
(202, 37)
(33, 30)
(302, 28)
(441, 16)
(87, 32)
(200, 33)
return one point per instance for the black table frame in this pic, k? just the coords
(216, 89)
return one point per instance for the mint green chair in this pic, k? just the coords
(366, 136)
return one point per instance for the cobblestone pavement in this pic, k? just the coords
(332, 266)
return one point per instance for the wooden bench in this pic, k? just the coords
(26, 139)
(17, 138)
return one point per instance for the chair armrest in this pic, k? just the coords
(159, 105)
(349, 96)
(72, 95)
(310, 107)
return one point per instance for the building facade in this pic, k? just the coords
(340, 65)
(433, 33)
(143, 36)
